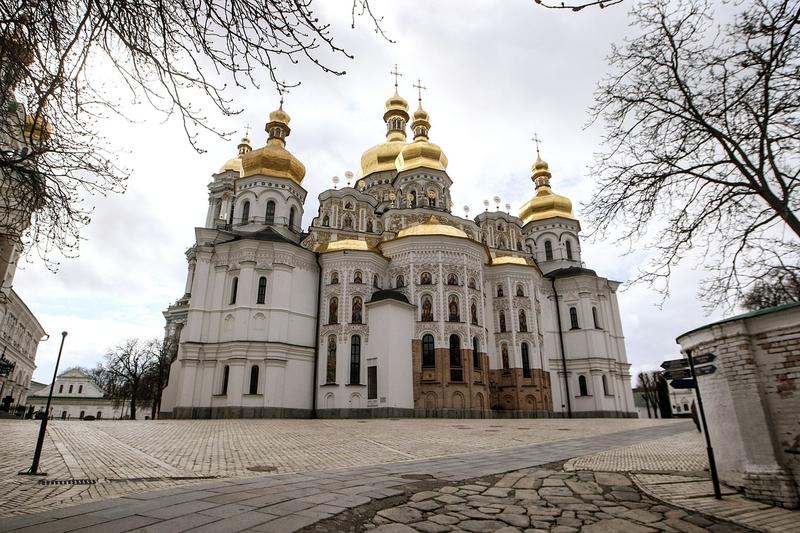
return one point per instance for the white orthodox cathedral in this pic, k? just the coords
(388, 304)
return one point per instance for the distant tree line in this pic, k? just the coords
(135, 372)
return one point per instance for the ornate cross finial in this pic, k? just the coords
(283, 89)
(536, 140)
(247, 130)
(419, 87)
(396, 73)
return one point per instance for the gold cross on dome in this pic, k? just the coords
(283, 89)
(396, 73)
(536, 140)
(247, 130)
(419, 87)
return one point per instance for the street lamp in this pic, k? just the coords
(34, 469)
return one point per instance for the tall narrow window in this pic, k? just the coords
(356, 314)
(226, 370)
(582, 388)
(292, 213)
(520, 290)
(499, 291)
(269, 216)
(80, 389)
(427, 309)
(523, 321)
(605, 385)
(234, 288)
(253, 380)
(526, 362)
(504, 356)
(333, 311)
(428, 352)
(596, 320)
(400, 282)
(355, 360)
(456, 372)
(70, 389)
(330, 364)
(568, 246)
(261, 297)
(60, 388)
(548, 251)
(453, 309)
(476, 358)
(473, 314)
(326, 221)
(573, 318)
(245, 212)
(375, 281)
(369, 226)
(413, 199)
(502, 322)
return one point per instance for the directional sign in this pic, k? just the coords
(675, 364)
(677, 374)
(682, 383)
(703, 359)
(705, 370)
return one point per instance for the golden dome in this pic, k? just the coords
(233, 164)
(546, 203)
(421, 154)
(431, 227)
(381, 157)
(397, 103)
(274, 160)
(346, 244)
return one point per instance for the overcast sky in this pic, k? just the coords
(494, 75)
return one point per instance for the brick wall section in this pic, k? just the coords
(753, 401)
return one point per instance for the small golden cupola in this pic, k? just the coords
(421, 152)
(235, 163)
(381, 156)
(546, 204)
(274, 159)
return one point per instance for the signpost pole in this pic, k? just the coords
(34, 469)
(711, 462)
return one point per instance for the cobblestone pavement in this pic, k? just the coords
(289, 502)
(116, 458)
(541, 500)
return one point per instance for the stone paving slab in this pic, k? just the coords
(130, 511)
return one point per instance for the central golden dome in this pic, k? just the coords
(274, 160)
(546, 203)
(421, 152)
(381, 157)
(432, 227)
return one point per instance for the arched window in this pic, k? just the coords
(502, 322)
(548, 251)
(501, 243)
(80, 389)
(605, 385)
(261, 296)
(330, 365)
(334, 278)
(523, 321)
(428, 352)
(413, 199)
(595, 319)
(573, 318)
(582, 388)
(245, 212)
(355, 317)
(504, 356)
(292, 213)
(348, 223)
(357, 277)
(568, 246)
(254, 379)
(425, 278)
(427, 309)
(476, 358)
(369, 226)
(234, 288)
(473, 314)
(526, 362)
(519, 246)
(375, 281)
(400, 282)
(453, 311)
(61, 388)
(456, 372)
(499, 291)
(326, 221)
(432, 198)
(333, 311)
(520, 290)
(471, 283)
(269, 216)
(452, 279)
(355, 360)
(226, 370)
(81, 414)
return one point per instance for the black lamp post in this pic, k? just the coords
(34, 469)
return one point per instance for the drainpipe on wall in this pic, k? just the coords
(563, 355)
(316, 338)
